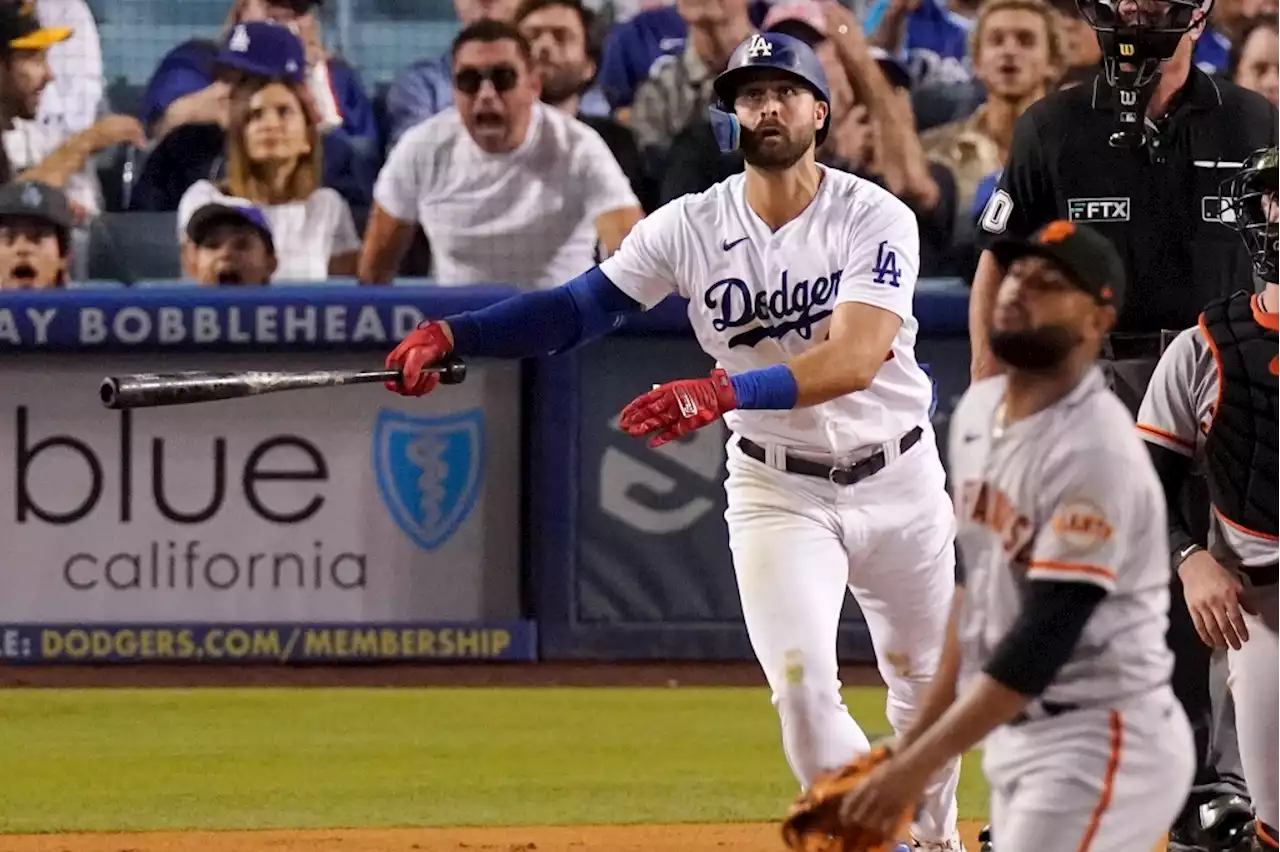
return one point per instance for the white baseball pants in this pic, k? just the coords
(798, 542)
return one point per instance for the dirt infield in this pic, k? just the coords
(754, 837)
(437, 674)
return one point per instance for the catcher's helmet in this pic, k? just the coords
(1248, 201)
(776, 51)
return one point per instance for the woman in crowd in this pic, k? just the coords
(273, 159)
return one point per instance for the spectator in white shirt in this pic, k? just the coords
(273, 154)
(508, 190)
(70, 103)
(26, 73)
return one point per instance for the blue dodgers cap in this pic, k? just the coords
(264, 49)
(229, 209)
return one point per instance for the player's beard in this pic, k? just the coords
(1040, 349)
(778, 155)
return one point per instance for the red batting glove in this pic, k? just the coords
(427, 344)
(675, 409)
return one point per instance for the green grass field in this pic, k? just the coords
(98, 760)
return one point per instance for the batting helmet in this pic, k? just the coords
(779, 52)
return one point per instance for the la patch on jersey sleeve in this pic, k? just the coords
(884, 257)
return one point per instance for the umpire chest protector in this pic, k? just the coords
(1240, 447)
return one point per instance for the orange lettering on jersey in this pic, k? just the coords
(987, 506)
(1081, 526)
(1274, 366)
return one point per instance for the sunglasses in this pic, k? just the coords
(503, 77)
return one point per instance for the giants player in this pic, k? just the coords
(1056, 654)
(800, 282)
(1211, 406)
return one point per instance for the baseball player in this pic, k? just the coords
(1056, 653)
(1211, 408)
(800, 282)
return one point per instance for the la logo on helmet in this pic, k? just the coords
(759, 47)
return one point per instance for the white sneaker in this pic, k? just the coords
(951, 844)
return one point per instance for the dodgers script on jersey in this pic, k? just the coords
(1067, 494)
(759, 297)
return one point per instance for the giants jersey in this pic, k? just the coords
(1067, 494)
(759, 297)
(1176, 414)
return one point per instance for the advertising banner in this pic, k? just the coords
(344, 505)
(258, 643)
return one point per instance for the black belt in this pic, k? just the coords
(1135, 346)
(856, 472)
(1261, 575)
(1049, 708)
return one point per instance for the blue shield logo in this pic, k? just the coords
(429, 471)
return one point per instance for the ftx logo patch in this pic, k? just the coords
(1098, 209)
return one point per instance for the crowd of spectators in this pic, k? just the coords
(526, 152)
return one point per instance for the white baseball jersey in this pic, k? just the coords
(759, 297)
(1067, 494)
(1176, 414)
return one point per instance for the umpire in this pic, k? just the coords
(1139, 154)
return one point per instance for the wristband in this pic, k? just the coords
(1181, 556)
(772, 388)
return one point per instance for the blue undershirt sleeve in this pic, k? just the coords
(543, 322)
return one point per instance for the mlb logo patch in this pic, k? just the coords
(1216, 208)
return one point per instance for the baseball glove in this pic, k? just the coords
(814, 824)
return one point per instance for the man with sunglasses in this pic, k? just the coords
(800, 281)
(508, 190)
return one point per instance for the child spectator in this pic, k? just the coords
(273, 159)
(35, 236)
(229, 242)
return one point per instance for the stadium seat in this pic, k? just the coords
(128, 247)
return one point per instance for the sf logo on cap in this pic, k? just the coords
(1056, 232)
(32, 196)
(759, 47)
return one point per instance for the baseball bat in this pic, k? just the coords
(148, 390)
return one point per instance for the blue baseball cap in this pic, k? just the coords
(228, 210)
(264, 49)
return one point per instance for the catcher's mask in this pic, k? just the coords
(1250, 204)
(779, 52)
(1135, 37)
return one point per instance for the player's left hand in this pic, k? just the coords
(878, 803)
(675, 409)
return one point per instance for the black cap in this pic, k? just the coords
(233, 210)
(20, 29)
(1088, 258)
(34, 200)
